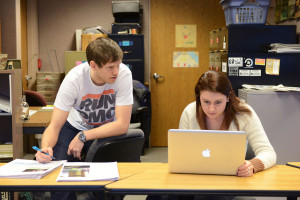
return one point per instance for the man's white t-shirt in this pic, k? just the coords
(90, 105)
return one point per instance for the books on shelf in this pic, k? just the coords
(89, 171)
(28, 169)
(5, 104)
(5, 101)
(6, 152)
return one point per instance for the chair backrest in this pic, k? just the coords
(124, 148)
(249, 154)
(34, 98)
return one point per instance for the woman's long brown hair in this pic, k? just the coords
(214, 81)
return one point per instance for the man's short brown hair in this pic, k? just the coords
(103, 50)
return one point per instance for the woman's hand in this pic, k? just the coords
(246, 169)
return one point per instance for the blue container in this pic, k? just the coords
(245, 11)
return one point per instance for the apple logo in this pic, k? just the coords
(206, 153)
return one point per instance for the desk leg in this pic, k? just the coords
(291, 198)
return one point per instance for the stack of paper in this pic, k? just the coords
(274, 88)
(88, 171)
(29, 169)
(284, 48)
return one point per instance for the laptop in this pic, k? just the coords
(206, 151)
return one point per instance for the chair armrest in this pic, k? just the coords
(142, 109)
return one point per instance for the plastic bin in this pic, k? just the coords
(245, 11)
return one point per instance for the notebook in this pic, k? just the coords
(206, 151)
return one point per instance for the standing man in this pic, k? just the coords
(94, 101)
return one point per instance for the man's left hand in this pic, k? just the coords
(75, 148)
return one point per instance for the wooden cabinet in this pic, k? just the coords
(10, 99)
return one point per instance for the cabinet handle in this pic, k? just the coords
(127, 52)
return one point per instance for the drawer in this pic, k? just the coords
(48, 94)
(132, 45)
(137, 69)
(47, 87)
(49, 78)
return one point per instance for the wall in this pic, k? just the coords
(58, 20)
(8, 28)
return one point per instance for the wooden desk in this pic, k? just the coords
(37, 122)
(280, 180)
(48, 183)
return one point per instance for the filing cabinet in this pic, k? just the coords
(133, 49)
(280, 118)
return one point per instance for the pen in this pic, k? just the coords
(38, 149)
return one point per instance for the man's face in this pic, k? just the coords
(108, 73)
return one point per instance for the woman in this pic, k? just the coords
(218, 108)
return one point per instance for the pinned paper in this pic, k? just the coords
(185, 59)
(186, 36)
(260, 61)
(272, 66)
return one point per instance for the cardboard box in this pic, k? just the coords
(87, 38)
(74, 58)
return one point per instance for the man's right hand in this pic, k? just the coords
(43, 158)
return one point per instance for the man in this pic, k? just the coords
(94, 101)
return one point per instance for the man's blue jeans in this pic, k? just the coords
(60, 152)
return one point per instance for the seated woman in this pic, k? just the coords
(218, 108)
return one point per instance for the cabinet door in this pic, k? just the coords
(6, 128)
(10, 121)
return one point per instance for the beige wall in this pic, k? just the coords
(58, 20)
(54, 23)
(8, 28)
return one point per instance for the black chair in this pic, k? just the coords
(249, 154)
(141, 111)
(124, 148)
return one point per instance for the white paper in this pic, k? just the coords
(89, 171)
(29, 169)
(31, 112)
(275, 88)
(47, 108)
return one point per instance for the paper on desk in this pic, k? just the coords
(89, 171)
(28, 169)
(47, 108)
(31, 112)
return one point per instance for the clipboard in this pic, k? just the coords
(293, 164)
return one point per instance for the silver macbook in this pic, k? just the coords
(206, 151)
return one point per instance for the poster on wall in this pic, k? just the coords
(185, 35)
(297, 9)
(185, 59)
(287, 9)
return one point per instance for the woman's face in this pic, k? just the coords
(213, 103)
